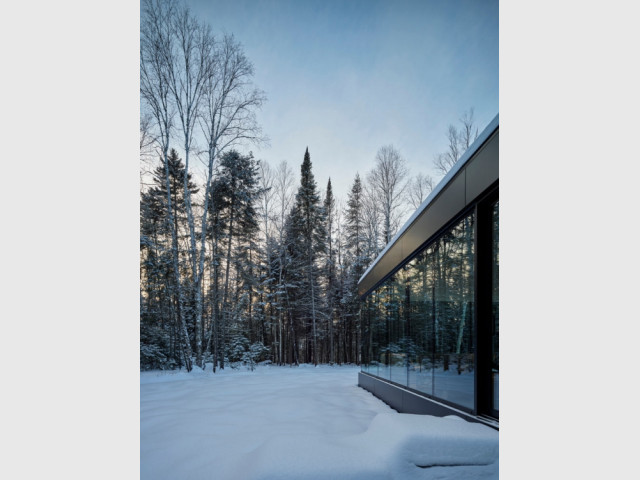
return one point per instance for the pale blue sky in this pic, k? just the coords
(347, 77)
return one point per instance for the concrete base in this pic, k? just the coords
(405, 401)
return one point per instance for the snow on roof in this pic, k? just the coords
(462, 161)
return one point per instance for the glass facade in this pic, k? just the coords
(430, 312)
(418, 325)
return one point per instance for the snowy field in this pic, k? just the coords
(297, 423)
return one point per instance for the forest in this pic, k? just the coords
(241, 261)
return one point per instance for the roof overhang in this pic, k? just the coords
(473, 174)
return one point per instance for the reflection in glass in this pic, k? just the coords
(453, 322)
(418, 325)
(420, 374)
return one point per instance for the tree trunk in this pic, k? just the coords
(313, 314)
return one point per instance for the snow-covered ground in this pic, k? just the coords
(297, 423)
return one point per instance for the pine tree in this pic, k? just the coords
(355, 239)
(160, 298)
(234, 193)
(307, 220)
(155, 307)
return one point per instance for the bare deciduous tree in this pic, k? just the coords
(468, 132)
(371, 215)
(147, 138)
(284, 182)
(388, 182)
(156, 43)
(267, 197)
(418, 188)
(190, 66)
(459, 142)
(149, 150)
(266, 215)
(186, 74)
(444, 161)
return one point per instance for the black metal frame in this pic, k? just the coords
(483, 313)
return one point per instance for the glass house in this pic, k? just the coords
(430, 310)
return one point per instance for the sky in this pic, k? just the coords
(346, 78)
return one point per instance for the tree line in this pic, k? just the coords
(239, 260)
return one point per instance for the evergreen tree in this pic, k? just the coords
(235, 223)
(291, 294)
(330, 274)
(307, 223)
(292, 284)
(357, 259)
(355, 228)
(155, 329)
(159, 331)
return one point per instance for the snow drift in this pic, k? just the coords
(298, 423)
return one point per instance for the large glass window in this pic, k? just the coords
(422, 313)
(453, 287)
(418, 325)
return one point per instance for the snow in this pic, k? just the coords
(297, 423)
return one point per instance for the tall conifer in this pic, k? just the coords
(331, 284)
(308, 227)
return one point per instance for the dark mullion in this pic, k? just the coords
(483, 314)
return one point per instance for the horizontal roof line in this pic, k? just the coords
(475, 146)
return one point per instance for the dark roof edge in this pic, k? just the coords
(462, 161)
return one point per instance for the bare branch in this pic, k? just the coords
(468, 132)
(418, 189)
(388, 182)
(459, 142)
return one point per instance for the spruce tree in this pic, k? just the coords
(354, 233)
(354, 227)
(308, 228)
(292, 284)
(331, 284)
